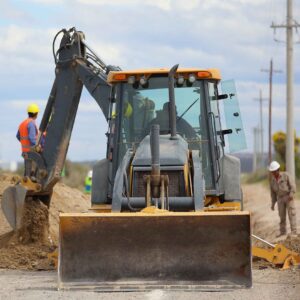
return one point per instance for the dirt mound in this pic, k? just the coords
(265, 222)
(292, 243)
(35, 227)
(28, 248)
(32, 256)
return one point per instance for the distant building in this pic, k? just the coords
(11, 166)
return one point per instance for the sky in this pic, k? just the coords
(234, 36)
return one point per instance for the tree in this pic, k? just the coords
(279, 139)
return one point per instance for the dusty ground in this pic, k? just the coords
(265, 222)
(268, 282)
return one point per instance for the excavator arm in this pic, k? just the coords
(77, 65)
(74, 70)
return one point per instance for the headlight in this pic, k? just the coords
(143, 81)
(180, 80)
(192, 78)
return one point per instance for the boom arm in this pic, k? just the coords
(73, 70)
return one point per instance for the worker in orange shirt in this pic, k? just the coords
(27, 135)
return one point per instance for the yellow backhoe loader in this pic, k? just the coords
(166, 207)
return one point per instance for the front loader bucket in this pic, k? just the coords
(141, 251)
(13, 203)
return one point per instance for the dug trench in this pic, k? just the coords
(28, 248)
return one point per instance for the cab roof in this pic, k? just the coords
(121, 76)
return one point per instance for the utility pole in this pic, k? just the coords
(290, 139)
(261, 129)
(270, 71)
(255, 148)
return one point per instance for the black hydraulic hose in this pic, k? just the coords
(127, 194)
(53, 43)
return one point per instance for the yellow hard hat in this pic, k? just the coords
(33, 108)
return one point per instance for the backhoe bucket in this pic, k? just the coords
(13, 204)
(144, 251)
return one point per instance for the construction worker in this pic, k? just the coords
(282, 191)
(27, 134)
(88, 182)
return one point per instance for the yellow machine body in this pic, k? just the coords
(279, 255)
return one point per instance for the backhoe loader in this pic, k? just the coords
(166, 204)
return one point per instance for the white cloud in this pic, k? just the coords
(47, 2)
(234, 36)
(161, 4)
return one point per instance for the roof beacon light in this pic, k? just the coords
(131, 79)
(204, 74)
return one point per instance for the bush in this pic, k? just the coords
(75, 174)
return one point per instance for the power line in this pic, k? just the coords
(261, 130)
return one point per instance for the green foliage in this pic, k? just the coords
(75, 174)
(258, 176)
(279, 140)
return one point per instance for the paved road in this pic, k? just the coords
(267, 284)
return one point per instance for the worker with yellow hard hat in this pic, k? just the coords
(27, 133)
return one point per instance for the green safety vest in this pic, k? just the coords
(88, 185)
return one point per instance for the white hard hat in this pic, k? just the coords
(90, 174)
(274, 165)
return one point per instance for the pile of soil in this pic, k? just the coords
(29, 247)
(31, 256)
(265, 222)
(35, 226)
(292, 243)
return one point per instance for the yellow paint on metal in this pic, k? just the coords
(187, 184)
(215, 73)
(100, 208)
(27, 183)
(215, 205)
(143, 214)
(279, 255)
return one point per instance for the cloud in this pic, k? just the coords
(10, 11)
(137, 34)
(162, 4)
(47, 2)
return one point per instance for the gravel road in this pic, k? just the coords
(267, 284)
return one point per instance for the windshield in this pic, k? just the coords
(142, 107)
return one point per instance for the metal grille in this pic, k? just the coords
(176, 183)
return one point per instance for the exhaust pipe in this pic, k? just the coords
(172, 108)
(155, 163)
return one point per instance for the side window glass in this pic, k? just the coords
(236, 139)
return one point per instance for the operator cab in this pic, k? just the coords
(142, 99)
